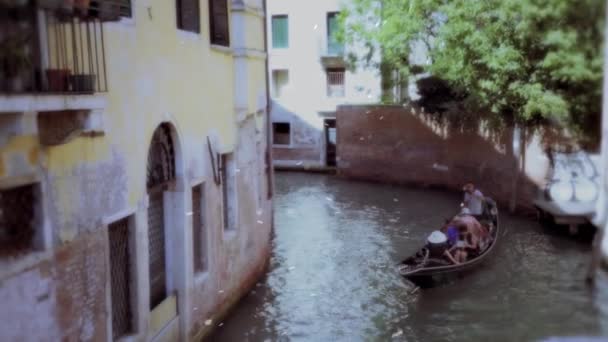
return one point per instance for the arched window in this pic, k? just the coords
(160, 176)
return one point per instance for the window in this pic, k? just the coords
(281, 133)
(280, 32)
(227, 174)
(120, 240)
(20, 221)
(199, 233)
(125, 8)
(218, 12)
(335, 82)
(188, 15)
(280, 79)
(334, 47)
(110, 9)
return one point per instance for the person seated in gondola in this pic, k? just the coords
(451, 231)
(459, 253)
(478, 235)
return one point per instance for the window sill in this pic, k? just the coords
(227, 50)
(189, 35)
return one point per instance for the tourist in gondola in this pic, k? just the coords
(458, 252)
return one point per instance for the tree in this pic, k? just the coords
(527, 60)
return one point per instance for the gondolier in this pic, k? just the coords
(473, 200)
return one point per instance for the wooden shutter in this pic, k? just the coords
(188, 15)
(218, 12)
(280, 31)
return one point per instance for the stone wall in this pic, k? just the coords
(403, 145)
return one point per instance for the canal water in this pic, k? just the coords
(332, 274)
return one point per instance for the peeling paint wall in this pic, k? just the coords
(156, 74)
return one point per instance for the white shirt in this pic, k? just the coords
(474, 202)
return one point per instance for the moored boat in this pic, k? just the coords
(426, 271)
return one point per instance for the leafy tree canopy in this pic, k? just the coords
(526, 59)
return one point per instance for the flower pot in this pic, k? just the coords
(57, 79)
(83, 83)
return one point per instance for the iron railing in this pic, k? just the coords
(50, 51)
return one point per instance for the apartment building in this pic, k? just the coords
(309, 76)
(135, 179)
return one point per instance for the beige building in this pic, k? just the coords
(135, 187)
(309, 77)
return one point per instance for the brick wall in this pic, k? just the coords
(402, 145)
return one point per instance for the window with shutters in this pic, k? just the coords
(280, 32)
(218, 20)
(199, 233)
(188, 15)
(334, 46)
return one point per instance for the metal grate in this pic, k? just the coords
(161, 172)
(335, 83)
(120, 268)
(17, 220)
(198, 229)
(161, 159)
(156, 247)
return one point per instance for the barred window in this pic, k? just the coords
(188, 15)
(119, 237)
(199, 233)
(335, 82)
(220, 32)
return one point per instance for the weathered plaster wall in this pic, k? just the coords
(401, 145)
(156, 74)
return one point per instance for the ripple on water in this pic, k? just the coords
(332, 274)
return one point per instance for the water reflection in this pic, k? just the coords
(332, 275)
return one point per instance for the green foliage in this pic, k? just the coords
(525, 59)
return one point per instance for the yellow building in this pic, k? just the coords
(135, 187)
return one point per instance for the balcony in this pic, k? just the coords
(53, 66)
(333, 55)
(54, 46)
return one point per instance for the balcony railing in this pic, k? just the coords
(51, 51)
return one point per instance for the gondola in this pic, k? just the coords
(424, 271)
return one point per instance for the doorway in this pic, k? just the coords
(330, 142)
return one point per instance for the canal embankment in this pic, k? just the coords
(405, 145)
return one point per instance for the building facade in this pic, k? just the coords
(135, 176)
(309, 77)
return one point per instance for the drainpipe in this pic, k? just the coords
(269, 164)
